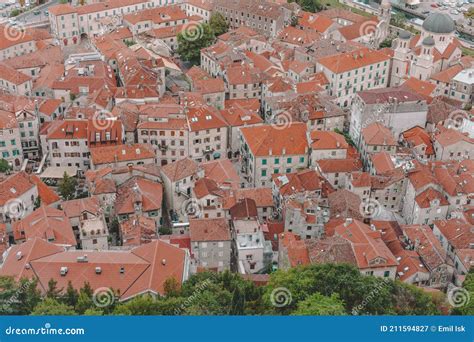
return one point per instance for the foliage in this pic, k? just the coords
(386, 43)
(360, 294)
(71, 296)
(37, 202)
(15, 13)
(67, 187)
(72, 96)
(53, 291)
(192, 40)
(18, 298)
(399, 20)
(129, 42)
(309, 5)
(319, 305)
(346, 136)
(323, 289)
(467, 296)
(171, 287)
(466, 51)
(4, 166)
(52, 307)
(218, 24)
(165, 230)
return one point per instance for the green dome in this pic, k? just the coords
(439, 23)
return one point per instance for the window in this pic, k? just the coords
(264, 173)
(301, 159)
(288, 160)
(264, 162)
(386, 274)
(277, 160)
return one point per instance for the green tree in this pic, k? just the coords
(399, 20)
(37, 203)
(27, 296)
(464, 297)
(218, 24)
(192, 40)
(148, 305)
(52, 307)
(4, 166)
(386, 43)
(67, 187)
(84, 301)
(365, 295)
(93, 312)
(71, 296)
(319, 305)
(8, 291)
(309, 5)
(224, 293)
(53, 291)
(171, 287)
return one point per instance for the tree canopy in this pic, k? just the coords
(218, 24)
(192, 39)
(323, 289)
(67, 187)
(4, 166)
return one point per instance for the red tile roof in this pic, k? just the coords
(201, 230)
(327, 140)
(121, 153)
(378, 134)
(47, 223)
(137, 189)
(348, 61)
(269, 140)
(369, 249)
(425, 198)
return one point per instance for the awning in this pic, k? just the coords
(57, 172)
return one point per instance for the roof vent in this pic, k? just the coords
(98, 270)
(63, 271)
(82, 258)
(163, 262)
(19, 255)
